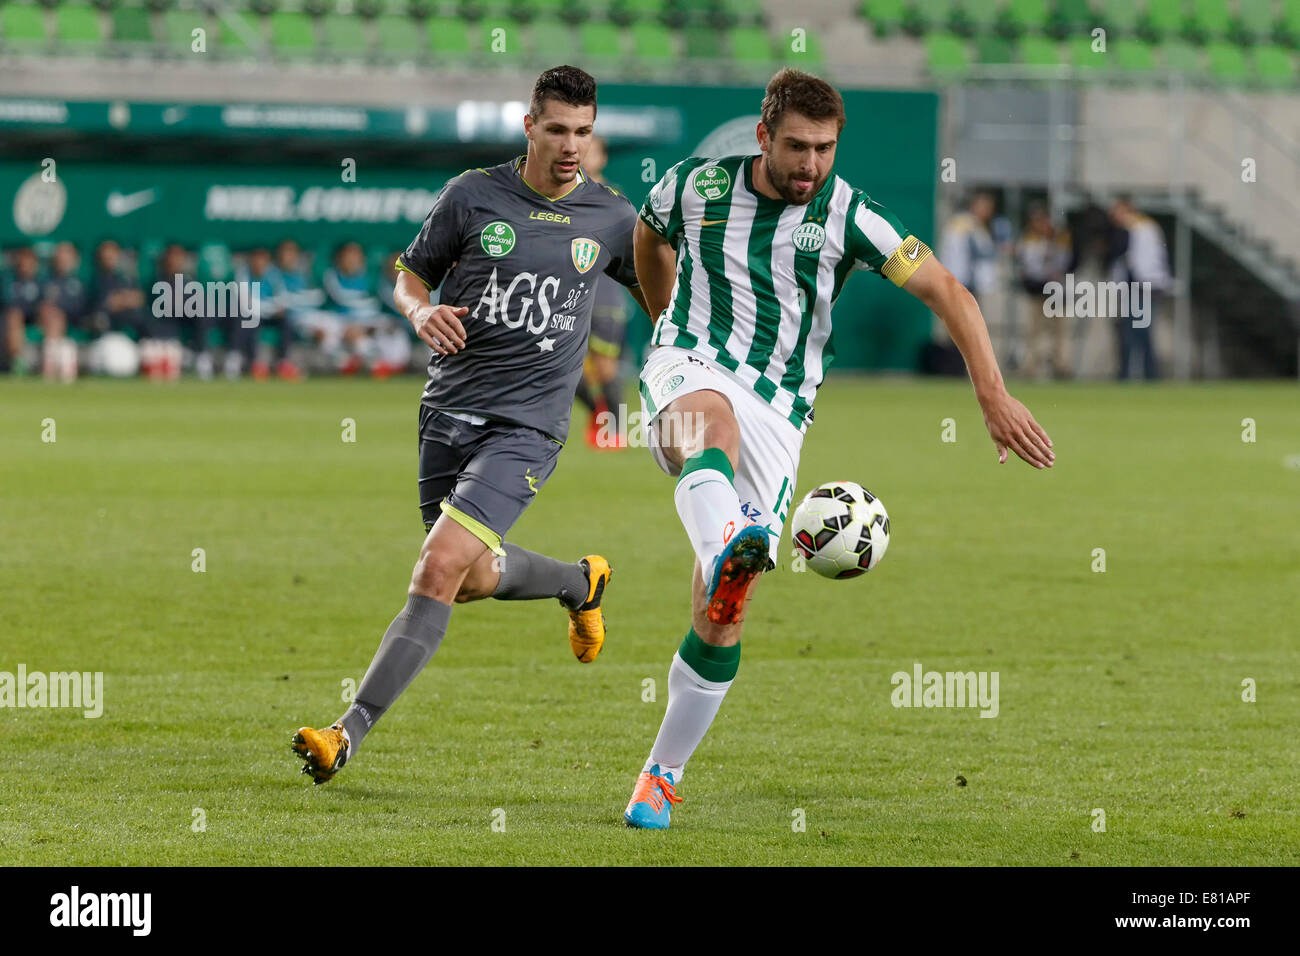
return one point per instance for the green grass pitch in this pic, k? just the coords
(1120, 691)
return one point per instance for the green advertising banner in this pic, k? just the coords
(888, 149)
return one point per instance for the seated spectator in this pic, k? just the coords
(273, 307)
(64, 308)
(116, 300)
(21, 300)
(355, 327)
(166, 317)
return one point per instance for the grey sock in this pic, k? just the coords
(407, 646)
(527, 575)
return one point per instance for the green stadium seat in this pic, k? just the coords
(636, 11)
(653, 41)
(1255, 20)
(601, 41)
(1288, 25)
(23, 27)
(696, 13)
(1274, 65)
(346, 36)
(885, 16)
(293, 34)
(1120, 17)
(810, 57)
(993, 50)
(742, 12)
(553, 40)
(1073, 17)
(946, 54)
(750, 45)
(1227, 62)
(1164, 19)
(241, 33)
(703, 43)
(398, 37)
(589, 10)
(1210, 19)
(1084, 58)
(448, 39)
(179, 27)
(1180, 57)
(1132, 54)
(1039, 51)
(1025, 16)
(131, 27)
(78, 28)
(928, 16)
(501, 40)
(544, 9)
(978, 16)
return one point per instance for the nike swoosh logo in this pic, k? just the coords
(711, 222)
(121, 204)
(711, 481)
(916, 251)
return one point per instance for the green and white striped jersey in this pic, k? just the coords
(756, 276)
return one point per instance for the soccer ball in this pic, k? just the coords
(841, 529)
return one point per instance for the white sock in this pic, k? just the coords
(710, 511)
(693, 702)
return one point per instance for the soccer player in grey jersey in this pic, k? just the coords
(740, 258)
(517, 249)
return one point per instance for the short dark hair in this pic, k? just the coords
(568, 84)
(795, 91)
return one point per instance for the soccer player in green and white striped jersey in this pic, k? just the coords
(740, 259)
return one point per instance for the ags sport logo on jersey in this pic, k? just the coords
(809, 237)
(711, 182)
(497, 238)
(585, 253)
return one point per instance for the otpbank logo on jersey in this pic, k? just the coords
(497, 238)
(711, 182)
(809, 237)
(585, 253)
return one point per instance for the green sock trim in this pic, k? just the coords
(713, 663)
(714, 458)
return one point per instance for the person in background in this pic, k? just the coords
(273, 309)
(1139, 255)
(1043, 256)
(64, 307)
(601, 389)
(364, 335)
(165, 317)
(22, 300)
(116, 300)
(969, 250)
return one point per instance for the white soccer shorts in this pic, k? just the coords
(769, 444)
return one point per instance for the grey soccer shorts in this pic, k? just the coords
(481, 476)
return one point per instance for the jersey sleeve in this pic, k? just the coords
(878, 242)
(662, 210)
(432, 252)
(622, 263)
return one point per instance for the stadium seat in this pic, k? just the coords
(1227, 62)
(637, 11)
(1274, 65)
(1165, 19)
(78, 28)
(601, 41)
(928, 16)
(653, 41)
(179, 27)
(1120, 17)
(398, 37)
(703, 43)
(241, 33)
(993, 50)
(346, 37)
(501, 39)
(1181, 57)
(750, 45)
(885, 16)
(809, 57)
(1039, 51)
(977, 16)
(1074, 17)
(1025, 16)
(22, 27)
(1288, 25)
(741, 12)
(1083, 57)
(1254, 20)
(131, 28)
(293, 34)
(1210, 20)
(448, 39)
(553, 41)
(946, 54)
(544, 9)
(1132, 54)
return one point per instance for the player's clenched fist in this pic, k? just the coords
(440, 328)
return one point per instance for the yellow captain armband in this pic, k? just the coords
(907, 258)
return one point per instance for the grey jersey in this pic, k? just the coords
(525, 266)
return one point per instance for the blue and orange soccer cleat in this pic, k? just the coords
(651, 806)
(744, 559)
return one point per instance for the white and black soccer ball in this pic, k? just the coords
(841, 529)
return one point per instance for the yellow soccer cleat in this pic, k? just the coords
(325, 751)
(586, 622)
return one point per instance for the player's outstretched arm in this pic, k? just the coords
(1009, 423)
(656, 269)
(438, 326)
